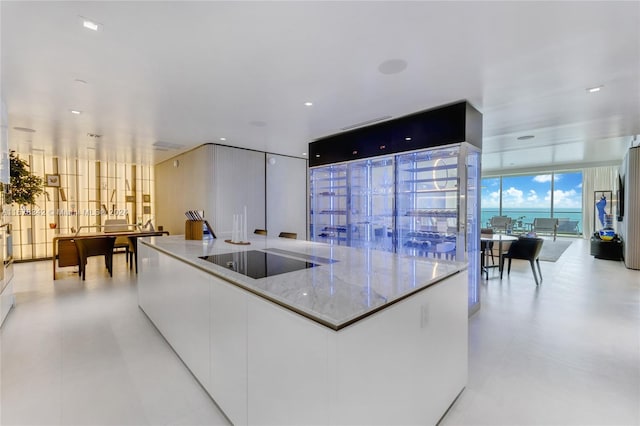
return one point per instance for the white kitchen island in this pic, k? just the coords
(353, 337)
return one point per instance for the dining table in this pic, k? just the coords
(492, 238)
(64, 250)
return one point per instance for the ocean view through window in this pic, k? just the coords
(526, 197)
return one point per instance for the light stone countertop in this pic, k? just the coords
(359, 282)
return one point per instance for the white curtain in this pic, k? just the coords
(597, 179)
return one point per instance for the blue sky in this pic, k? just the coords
(533, 191)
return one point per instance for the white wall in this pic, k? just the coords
(222, 180)
(238, 180)
(631, 223)
(184, 183)
(286, 195)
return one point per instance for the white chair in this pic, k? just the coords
(500, 223)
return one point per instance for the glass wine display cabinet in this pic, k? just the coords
(413, 203)
(407, 186)
(352, 204)
(422, 203)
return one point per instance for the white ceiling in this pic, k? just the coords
(188, 73)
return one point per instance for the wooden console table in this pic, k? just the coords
(64, 247)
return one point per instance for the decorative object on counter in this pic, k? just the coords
(53, 225)
(193, 229)
(194, 225)
(24, 187)
(239, 243)
(239, 230)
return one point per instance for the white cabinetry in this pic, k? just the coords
(263, 363)
(288, 367)
(228, 350)
(177, 300)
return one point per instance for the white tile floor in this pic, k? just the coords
(567, 352)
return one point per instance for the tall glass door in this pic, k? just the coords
(371, 203)
(473, 222)
(328, 204)
(427, 203)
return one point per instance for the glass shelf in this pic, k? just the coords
(431, 168)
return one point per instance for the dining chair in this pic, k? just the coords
(291, 235)
(260, 231)
(95, 246)
(524, 248)
(486, 247)
(119, 225)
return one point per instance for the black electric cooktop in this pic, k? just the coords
(257, 264)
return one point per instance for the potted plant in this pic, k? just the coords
(24, 187)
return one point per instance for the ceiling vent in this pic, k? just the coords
(364, 123)
(167, 145)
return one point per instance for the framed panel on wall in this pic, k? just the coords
(603, 209)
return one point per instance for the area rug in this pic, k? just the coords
(552, 250)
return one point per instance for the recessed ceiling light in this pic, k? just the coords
(308, 103)
(594, 89)
(89, 24)
(392, 66)
(317, 155)
(304, 153)
(525, 137)
(407, 138)
(75, 111)
(24, 129)
(223, 139)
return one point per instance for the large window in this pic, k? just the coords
(567, 202)
(525, 197)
